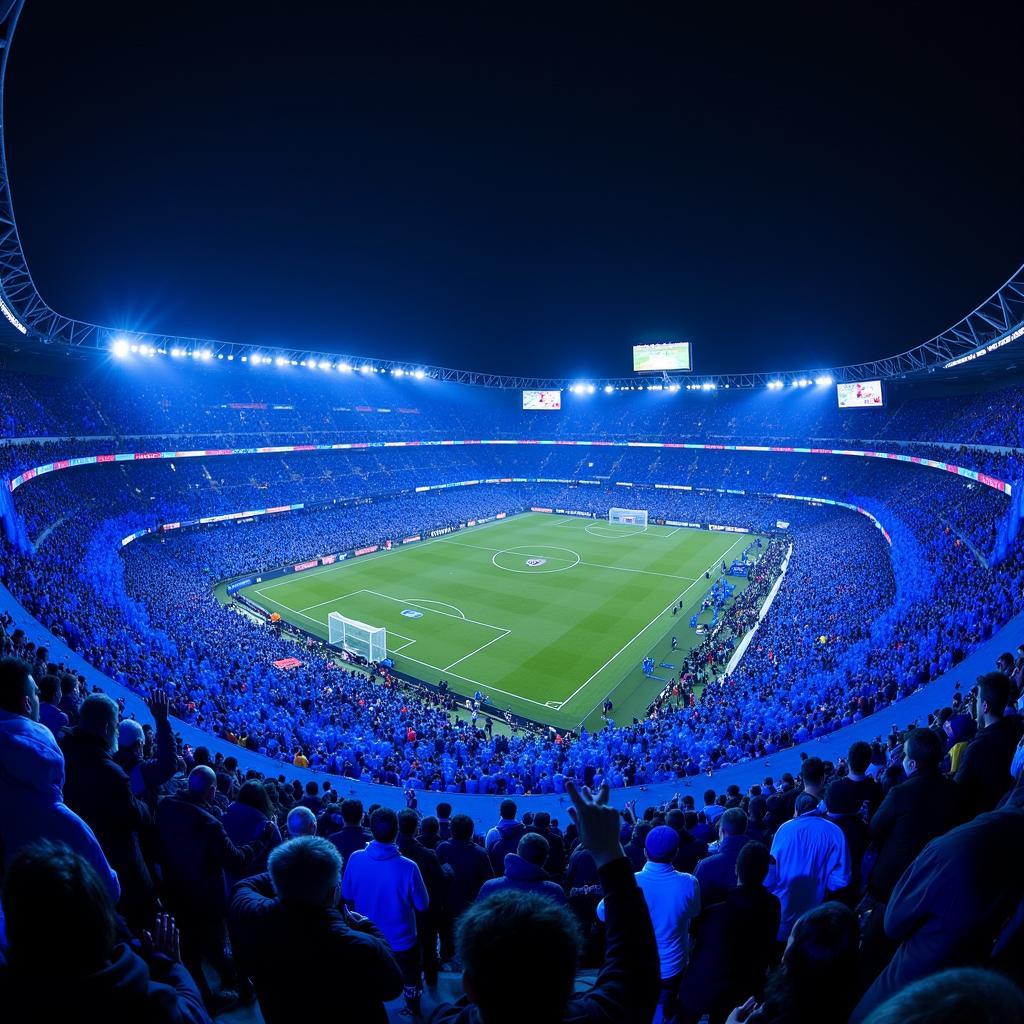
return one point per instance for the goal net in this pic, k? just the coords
(369, 642)
(629, 516)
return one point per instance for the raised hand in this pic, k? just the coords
(598, 823)
(159, 705)
(164, 940)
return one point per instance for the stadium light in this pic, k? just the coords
(205, 355)
(823, 381)
(708, 385)
(365, 368)
(344, 367)
(398, 372)
(323, 364)
(608, 389)
(420, 374)
(120, 348)
(774, 385)
(590, 389)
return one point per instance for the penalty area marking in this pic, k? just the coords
(594, 529)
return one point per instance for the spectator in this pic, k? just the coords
(470, 868)
(53, 898)
(673, 900)
(816, 983)
(555, 864)
(716, 873)
(245, 821)
(301, 821)
(867, 789)
(811, 860)
(522, 935)
(524, 870)
(388, 888)
(844, 809)
(286, 925)
(951, 904)
(352, 836)
(428, 922)
(148, 775)
(430, 832)
(195, 853)
(98, 789)
(444, 815)
(50, 696)
(984, 771)
(735, 943)
(953, 996)
(926, 805)
(504, 837)
(32, 779)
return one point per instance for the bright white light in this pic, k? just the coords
(708, 385)
(280, 361)
(344, 367)
(398, 372)
(590, 389)
(774, 385)
(120, 348)
(205, 354)
(323, 364)
(231, 357)
(823, 382)
(365, 368)
(608, 389)
(420, 374)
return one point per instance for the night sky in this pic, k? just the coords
(526, 188)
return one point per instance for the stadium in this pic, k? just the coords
(320, 663)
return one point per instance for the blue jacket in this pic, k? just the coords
(717, 873)
(32, 797)
(521, 874)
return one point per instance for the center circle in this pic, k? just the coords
(535, 558)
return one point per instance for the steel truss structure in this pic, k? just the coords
(999, 320)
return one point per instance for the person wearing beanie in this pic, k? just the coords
(673, 901)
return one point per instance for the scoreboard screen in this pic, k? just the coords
(663, 355)
(550, 400)
(864, 394)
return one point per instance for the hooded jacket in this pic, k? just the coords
(32, 800)
(503, 838)
(124, 991)
(388, 889)
(522, 875)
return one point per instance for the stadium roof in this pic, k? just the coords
(986, 342)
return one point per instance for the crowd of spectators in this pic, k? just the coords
(878, 888)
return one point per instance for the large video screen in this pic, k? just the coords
(550, 400)
(865, 394)
(665, 355)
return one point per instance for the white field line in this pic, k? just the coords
(556, 558)
(362, 559)
(447, 615)
(647, 627)
(501, 636)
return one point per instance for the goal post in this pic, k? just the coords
(628, 516)
(369, 642)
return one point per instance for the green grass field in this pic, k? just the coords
(546, 614)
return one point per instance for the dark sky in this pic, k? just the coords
(520, 187)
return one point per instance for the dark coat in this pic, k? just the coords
(717, 872)
(125, 991)
(307, 963)
(470, 866)
(627, 986)
(734, 946)
(195, 852)
(984, 771)
(924, 806)
(520, 874)
(952, 902)
(349, 839)
(430, 868)
(99, 790)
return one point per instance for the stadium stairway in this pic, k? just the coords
(483, 809)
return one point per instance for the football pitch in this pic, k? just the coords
(548, 615)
